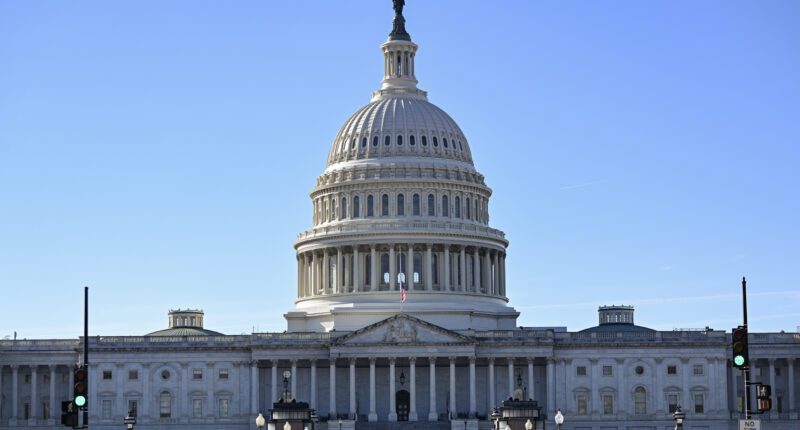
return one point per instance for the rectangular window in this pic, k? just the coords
(580, 371)
(581, 405)
(46, 378)
(133, 406)
(28, 378)
(672, 400)
(106, 409)
(672, 370)
(165, 405)
(608, 404)
(223, 408)
(607, 371)
(779, 403)
(757, 371)
(27, 411)
(777, 371)
(65, 378)
(197, 408)
(697, 370)
(197, 373)
(106, 374)
(223, 373)
(133, 375)
(698, 403)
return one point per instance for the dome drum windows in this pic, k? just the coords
(444, 142)
(415, 205)
(431, 205)
(356, 207)
(445, 208)
(399, 140)
(424, 141)
(370, 206)
(375, 141)
(458, 207)
(401, 203)
(385, 205)
(435, 141)
(387, 141)
(411, 140)
(363, 142)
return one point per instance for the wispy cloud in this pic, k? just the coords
(572, 187)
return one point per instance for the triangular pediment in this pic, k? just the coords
(403, 329)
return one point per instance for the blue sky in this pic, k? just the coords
(641, 153)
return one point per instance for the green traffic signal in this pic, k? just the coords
(738, 360)
(80, 401)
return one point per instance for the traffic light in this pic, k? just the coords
(69, 414)
(739, 346)
(763, 400)
(81, 388)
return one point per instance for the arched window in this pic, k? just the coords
(333, 209)
(375, 141)
(370, 206)
(431, 205)
(165, 405)
(343, 212)
(639, 401)
(363, 142)
(399, 140)
(444, 141)
(458, 207)
(424, 141)
(356, 207)
(434, 267)
(385, 205)
(387, 141)
(466, 207)
(445, 209)
(385, 268)
(415, 205)
(417, 267)
(411, 140)
(401, 205)
(460, 146)
(435, 142)
(401, 267)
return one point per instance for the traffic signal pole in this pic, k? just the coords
(86, 348)
(746, 369)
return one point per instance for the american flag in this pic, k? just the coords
(403, 294)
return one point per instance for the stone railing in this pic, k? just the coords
(373, 227)
(510, 335)
(773, 338)
(39, 345)
(290, 338)
(641, 336)
(114, 342)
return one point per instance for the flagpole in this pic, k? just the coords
(402, 302)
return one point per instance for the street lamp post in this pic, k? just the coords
(287, 395)
(496, 418)
(559, 419)
(260, 421)
(528, 424)
(340, 423)
(314, 419)
(678, 416)
(130, 420)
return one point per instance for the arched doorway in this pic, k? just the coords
(402, 404)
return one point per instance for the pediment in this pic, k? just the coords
(403, 329)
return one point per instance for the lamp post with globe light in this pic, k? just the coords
(260, 421)
(496, 417)
(528, 424)
(678, 416)
(559, 419)
(130, 420)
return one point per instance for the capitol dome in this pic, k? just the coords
(400, 218)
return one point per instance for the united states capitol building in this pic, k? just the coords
(401, 206)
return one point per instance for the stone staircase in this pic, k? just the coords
(403, 425)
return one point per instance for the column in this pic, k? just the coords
(352, 388)
(54, 406)
(373, 268)
(274, 382)
(356, 275)
(299, 277)
(790, 365)
(210, 377)
(313, 403)
(183, 396)
(445, 281)
(476, 270)
(143, 411)
(622, 403)
(392, 268)
(347, 276)
(734, 389)
(412, 376)
(34, 394)
(410, 267)
(314, 277)
(473, 409)
(294, 378)
(531, 387)
(492, 396)
(119, 408)
(428, 272)
(15, 390)
(337, 284)
(326, 272)
(332, 395)
(373, 416)
(773, 413)
(254, 387)
(686, 395)
(453, 412)
(496, 276)
(392, 405)
(433, 415)
(306, 276)
(659, 388)
(594, 406)
(551, 387)
(511, 378)
(462, 262)
(503, 273)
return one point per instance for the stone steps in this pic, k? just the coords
(404, 425)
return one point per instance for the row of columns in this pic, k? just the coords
(433, 414)
(54, 404)
(335, 271)
(334, 207)
(399, 61)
